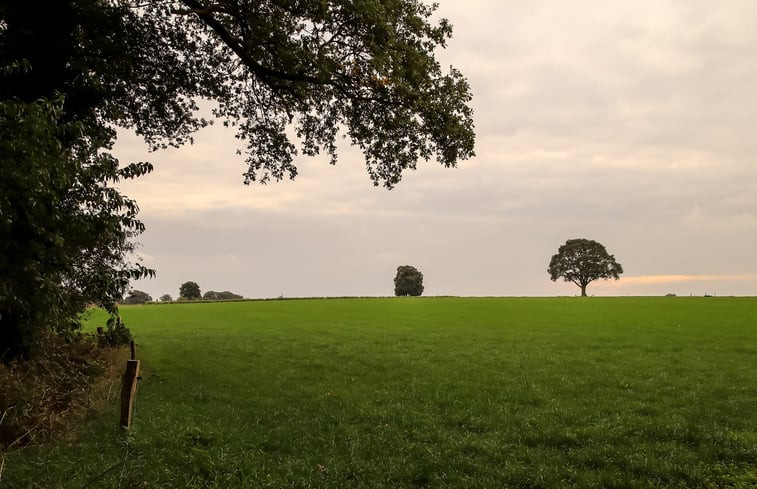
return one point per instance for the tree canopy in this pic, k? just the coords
(73, 70)
(190, 291)
(137, 297)
(408, 281)
(365, 68)
(583, 261)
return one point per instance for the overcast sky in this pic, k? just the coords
(633, 123)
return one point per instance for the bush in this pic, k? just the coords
(38, 393)
(116, 333)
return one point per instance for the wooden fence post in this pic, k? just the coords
(128, 389)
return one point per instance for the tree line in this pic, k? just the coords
(188, 291)
(579, 261)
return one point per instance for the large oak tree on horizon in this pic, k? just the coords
(583, 261)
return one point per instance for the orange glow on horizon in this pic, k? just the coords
(665, 279)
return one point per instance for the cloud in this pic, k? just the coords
(671, 279)
(628, 122)
(697, 218)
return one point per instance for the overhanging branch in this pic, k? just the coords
(206, 14)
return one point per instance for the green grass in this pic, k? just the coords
(431, 392)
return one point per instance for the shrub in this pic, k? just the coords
(38, 393)
(116, 333)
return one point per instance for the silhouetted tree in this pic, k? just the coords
(137, 297)
(408, 281)
(190, 291)
(166, 298)
(582, 261)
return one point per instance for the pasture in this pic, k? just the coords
(426, 392)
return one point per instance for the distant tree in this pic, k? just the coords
(190, 291)
(582, 261)
(408, 281)
(226, 295)
(137, 297)
(212, 295)
(166, 298)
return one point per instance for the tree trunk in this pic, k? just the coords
(583, 290)
(14, 341)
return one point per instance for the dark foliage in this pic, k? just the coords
(116, 333)
(408, 281)
(64, 230)
(367, 67)
(212, 295)
(190, 291)
(137, 297)
(583, 261)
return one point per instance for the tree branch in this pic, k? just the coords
(199, 11)
(265, 73)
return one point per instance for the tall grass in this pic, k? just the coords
(429, 392)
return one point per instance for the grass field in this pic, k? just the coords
(430, 392)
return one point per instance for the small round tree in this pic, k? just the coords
(137, 297)
(190, 291)
(166, 298)
(408, 281)
(583, 261)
